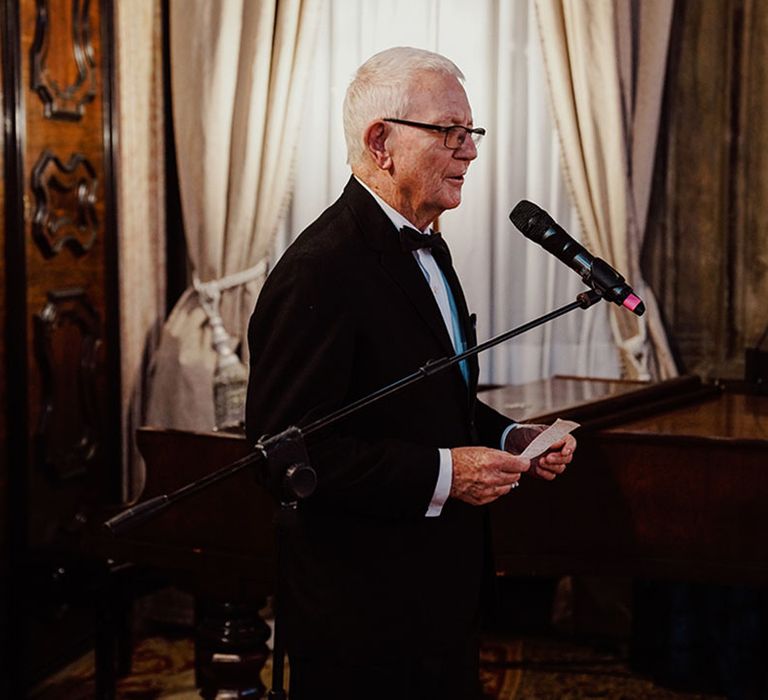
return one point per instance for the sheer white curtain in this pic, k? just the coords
(507, 279)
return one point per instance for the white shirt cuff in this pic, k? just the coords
(443, 485)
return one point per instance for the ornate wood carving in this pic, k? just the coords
(68, 344)
(63, 69)
(65, 199)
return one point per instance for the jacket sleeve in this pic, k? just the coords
(302, 354)
(490, 425)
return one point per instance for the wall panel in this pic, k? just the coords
(706, 249)
(61, 323)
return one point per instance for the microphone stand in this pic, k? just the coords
(287, 461)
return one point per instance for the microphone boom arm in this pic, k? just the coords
(130, 517)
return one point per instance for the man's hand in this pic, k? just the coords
(553, 461)
(481, 475)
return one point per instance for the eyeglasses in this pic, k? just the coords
(455, 136)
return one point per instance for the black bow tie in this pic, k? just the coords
(411, 239)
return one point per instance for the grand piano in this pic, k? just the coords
(670, 481)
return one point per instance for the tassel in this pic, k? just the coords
(230, 382)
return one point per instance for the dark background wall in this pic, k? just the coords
(706, 252)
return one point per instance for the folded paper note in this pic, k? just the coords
(545, 439)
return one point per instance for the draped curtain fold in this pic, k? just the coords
(239, 70)
(605, 65)
(141, 212)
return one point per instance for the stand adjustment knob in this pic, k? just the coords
(300, 480)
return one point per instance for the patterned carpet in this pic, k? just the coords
(512, 669)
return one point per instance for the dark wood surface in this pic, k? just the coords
(678, 493)
(590, 401)
(219, 541)
(217, 544)
(670, 480)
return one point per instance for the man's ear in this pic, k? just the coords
(375, 139)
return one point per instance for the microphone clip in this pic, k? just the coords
(610, 285)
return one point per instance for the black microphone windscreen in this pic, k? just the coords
(530, 219)
(538, 226)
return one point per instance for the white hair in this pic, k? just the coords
(380, 89)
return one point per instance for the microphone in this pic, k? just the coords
(534, 223)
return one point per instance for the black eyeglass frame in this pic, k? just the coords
(475, 133)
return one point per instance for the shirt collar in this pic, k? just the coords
(397, 219)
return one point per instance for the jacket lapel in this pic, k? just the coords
(405, 272)
(379, 233)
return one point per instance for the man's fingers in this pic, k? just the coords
(513, 464)
(481, 475)
(495, 479)
(561, 453)
(554, 461)
(491, 495)
(546, 474)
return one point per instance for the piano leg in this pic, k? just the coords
(230, 648)
(113, 640)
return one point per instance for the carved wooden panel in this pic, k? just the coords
(62, 57)
(706, 252)
(68, 342)
(61, 329)
(65, 199)
(68, 244)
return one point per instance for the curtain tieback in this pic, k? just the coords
(209, 296)
(635, 349)
(230, 281)
(230, 377)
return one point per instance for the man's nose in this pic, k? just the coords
(467, 150)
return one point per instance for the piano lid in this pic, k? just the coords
(594, 402)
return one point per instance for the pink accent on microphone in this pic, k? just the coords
(632, 302)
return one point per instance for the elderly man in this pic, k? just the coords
(387, 566)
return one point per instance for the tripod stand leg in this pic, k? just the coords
(277, 692)
(286, 514)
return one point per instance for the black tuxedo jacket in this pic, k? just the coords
(346, 312)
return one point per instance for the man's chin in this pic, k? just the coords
(451, 202)
(453, 193)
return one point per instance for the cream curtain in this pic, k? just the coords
(605, 63)
(141, 211)
(238, 74)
